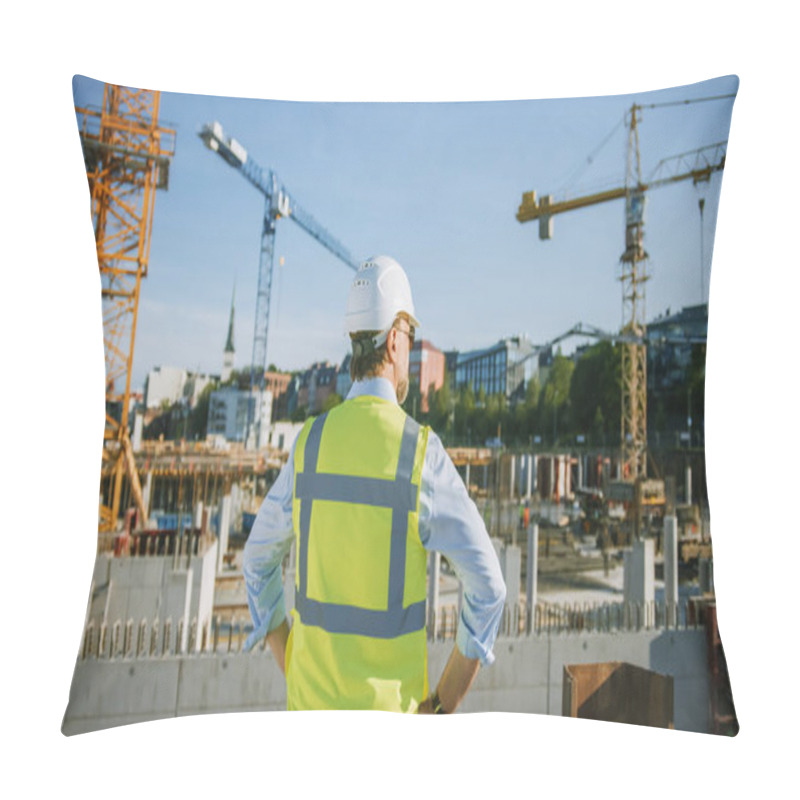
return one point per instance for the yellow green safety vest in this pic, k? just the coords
(358, 633)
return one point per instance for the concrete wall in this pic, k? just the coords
(148, 588)
(511, 566)
(528, 673)
(175, 606)
(639, 575)
(526, 677)
(204, 568)
(136, 587)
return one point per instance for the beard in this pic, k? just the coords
(402, 390)
(402, 387)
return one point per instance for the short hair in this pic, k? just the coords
(367, 359)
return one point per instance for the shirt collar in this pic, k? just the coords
(377, 387)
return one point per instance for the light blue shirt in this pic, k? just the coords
(449, 523)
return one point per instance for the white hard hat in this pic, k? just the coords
(379, 292)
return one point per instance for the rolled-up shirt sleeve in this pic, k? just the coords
(449, 523)
(268, 543)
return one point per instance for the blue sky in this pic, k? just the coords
(437, 186)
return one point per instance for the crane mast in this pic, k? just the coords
(127, 157)
(633, 428)
(278, 203)
(697, 165)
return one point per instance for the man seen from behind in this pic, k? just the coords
(365, 494)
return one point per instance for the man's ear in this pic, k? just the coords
(391, 344)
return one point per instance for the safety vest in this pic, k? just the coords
(358, 634)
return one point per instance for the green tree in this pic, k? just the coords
(462, 409)
(684, 398)
(170, 423)
(530, 409)
(464, 412)
(466, 400)
(532, 391)
(198, 416)
(441, 408)
(331, 401)
(599, 427)
(233, 379)
(517, 424)
(554, 405)
(413, 402)
(596, 386)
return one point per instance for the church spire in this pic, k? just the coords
(229, 344)
(228, 355)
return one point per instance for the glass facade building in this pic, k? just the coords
(671, 339)
(502, 368)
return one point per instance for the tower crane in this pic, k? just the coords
(697, 165)
(278, 203)
(127, 157)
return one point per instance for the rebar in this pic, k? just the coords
(127, 647)
(166, 646)
(88, 641)
(154, 638)
(115, 631)
(141, 639)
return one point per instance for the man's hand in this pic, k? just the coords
(426, 706)
(277, 641)
(456, 679)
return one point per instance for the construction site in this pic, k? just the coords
(605, 549)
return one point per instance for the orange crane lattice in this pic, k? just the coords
(127, 158)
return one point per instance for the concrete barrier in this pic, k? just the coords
(527, 677)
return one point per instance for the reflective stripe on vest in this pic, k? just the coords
(400, 495)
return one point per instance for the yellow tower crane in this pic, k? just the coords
(127, 158)
(697, 165)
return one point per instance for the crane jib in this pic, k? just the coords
(278, 203)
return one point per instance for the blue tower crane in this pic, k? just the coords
(278, 203)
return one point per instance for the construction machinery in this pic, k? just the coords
(127, 156)
(278, 203)
(697, 165)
